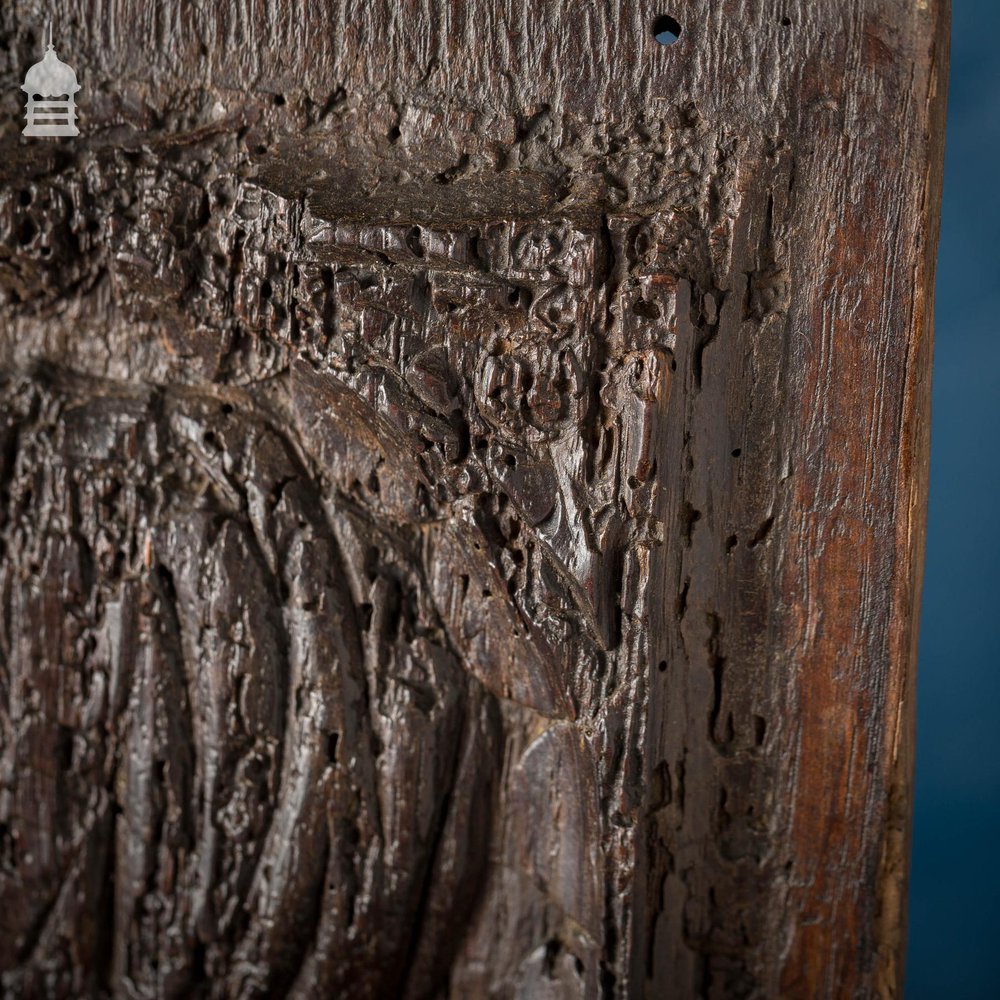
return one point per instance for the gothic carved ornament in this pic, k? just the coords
(461, 479)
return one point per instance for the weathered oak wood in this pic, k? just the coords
(461, 497)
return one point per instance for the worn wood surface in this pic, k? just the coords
(461, 497)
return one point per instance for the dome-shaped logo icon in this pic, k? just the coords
(50, 86)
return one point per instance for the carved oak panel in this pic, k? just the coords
(461, 494)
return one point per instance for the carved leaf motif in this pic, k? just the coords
(471, 597)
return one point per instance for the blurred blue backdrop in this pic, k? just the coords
(954, 946)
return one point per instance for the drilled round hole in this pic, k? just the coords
(666, 29)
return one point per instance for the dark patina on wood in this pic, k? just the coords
(462, 471)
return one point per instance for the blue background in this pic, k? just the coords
(954, 946)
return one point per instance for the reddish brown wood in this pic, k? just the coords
(461, 498)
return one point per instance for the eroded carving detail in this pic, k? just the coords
(416, 461)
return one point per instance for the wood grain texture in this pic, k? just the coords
(462, 479)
